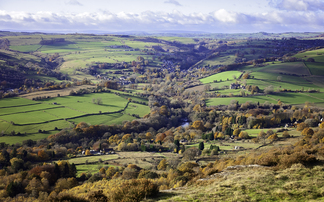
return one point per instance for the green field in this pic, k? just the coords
(316, 68)
(90, 168)
(286, 98)
(83, 103)
(184, 40)
(29, 116)
(288, 68)
(241, 100)
(134, 108)
(26, 48)
(23, 109)
(297, 98)
(224, 76)
(316, 54)
(81, 160)
(16, 101)
(221, 60)
(30, 130)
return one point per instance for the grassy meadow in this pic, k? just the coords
(224, 76)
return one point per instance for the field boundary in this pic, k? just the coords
(31, 111)
(19, 105)
(309, 71)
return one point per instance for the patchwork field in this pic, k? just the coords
(36, 120)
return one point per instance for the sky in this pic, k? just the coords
(212, 16)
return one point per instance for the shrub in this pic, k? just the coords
(191, 153)
(97, 196)
(301, 126)
(273, 137)
(321, 125)
(311, 122)
(134, 190)
(285, 134)
(162, 165)
(308, 132)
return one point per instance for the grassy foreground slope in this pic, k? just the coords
(259, 184)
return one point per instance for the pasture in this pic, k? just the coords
(224, 76)
(25, 48)
(316, 68)
(91, 159)
(241, 100)
(90, 168)
(286, 98)
(297, 68)
(28, 117)
(316, 54)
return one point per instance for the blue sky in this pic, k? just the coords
(215, 16)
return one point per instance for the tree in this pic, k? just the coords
(301, 126)
(244, 135)
(262, 135)
(236, 132)
(42, 155)
(16, 164)
(14, 188)
(321, 125)
(110, 172)
(198, 125)
(191, 153)
(177, 143)
(201, 146)
(87, 153)
(246, 76)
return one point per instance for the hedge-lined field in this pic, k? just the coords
(42, 118)
(221, 76)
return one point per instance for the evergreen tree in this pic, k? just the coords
(201, 146)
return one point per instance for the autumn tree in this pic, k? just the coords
(148, 136)
(42, 155)
(321, 125)
(244, 135)
(198, 125)
(87, 152)
(236, 132)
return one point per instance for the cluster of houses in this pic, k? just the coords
(168, 65)
(100, 152)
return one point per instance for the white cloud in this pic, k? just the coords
(218, 21)
(299, 5)
(74, 3)
(174, 2)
